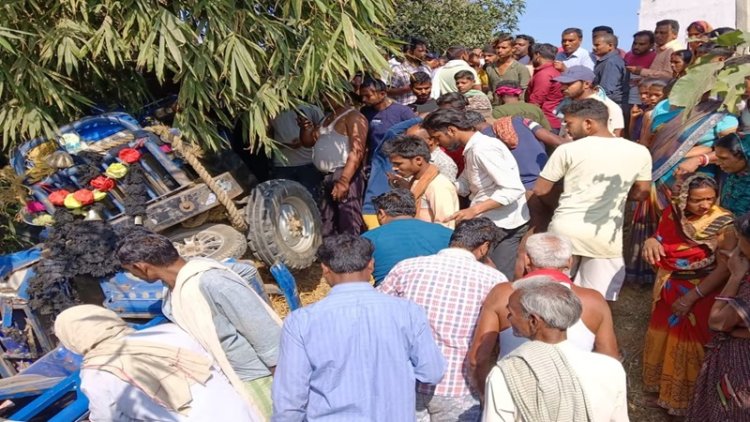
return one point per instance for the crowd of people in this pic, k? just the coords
(479, 211)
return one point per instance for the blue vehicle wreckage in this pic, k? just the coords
(100, 179)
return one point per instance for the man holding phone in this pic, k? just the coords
(292, 161)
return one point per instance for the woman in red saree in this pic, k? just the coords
(690, 237)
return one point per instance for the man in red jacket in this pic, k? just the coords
(543, 91)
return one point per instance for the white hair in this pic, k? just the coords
(554, 303)
(549, 250)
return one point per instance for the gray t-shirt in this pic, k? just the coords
(286, 133)
(248, 334)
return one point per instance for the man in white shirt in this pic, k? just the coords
(548, 378)
(491, 180)
(573, 54)
(600, 173)
(578, 84)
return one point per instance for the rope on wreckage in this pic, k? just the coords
(167, 135)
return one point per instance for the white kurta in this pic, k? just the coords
(112, 399)
(602, 378)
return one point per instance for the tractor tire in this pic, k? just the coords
(284, 224)
(215, 241)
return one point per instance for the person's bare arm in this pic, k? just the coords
(723, 317)
(605, 341)
(726, 244)
(640, 191)
(543, 202)
(617, 132)
(356, 130)
(646, 135)
(485, 347)
(542, 187)
(399, 91)
(549, 138)
(308, 132)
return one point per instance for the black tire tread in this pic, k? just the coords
(262, 211)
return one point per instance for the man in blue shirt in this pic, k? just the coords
(573, 54)
(610, 69)
(382, 114)
(401, 235)
(357, 354)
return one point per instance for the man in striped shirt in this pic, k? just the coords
(451, 287)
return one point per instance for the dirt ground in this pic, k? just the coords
(630, 312)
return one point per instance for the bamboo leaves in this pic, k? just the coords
(226, 61)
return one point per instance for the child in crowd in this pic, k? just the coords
(476, 60)
(478, 100)
(421, 87)
(438, 157)
(652, 91)
(435, 194)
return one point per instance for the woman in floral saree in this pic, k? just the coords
(677, 148)
(690, 237)
(733, 156)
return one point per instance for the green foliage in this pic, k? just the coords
(444, 23)
(229, 61)
(11, 189)
(702, 75)
(725, 80)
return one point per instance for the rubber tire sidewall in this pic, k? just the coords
(263, 212)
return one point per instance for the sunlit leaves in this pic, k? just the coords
(723, 79)
(230, 63)
(445, 23)
(684, 92)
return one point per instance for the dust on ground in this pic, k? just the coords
(631, 313)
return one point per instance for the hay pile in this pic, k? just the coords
(310, 284)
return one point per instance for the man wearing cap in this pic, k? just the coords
(578, 84)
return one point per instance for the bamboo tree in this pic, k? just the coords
(230, 62)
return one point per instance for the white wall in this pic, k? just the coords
(717, 13)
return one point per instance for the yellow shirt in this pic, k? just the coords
(484, 78)
(439, 202)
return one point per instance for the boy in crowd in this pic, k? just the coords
(435, 195)
(478, 100)
(438, 157)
